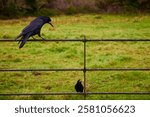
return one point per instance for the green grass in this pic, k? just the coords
(70, 55)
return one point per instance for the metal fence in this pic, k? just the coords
(84, 69)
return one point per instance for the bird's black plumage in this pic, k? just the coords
(32, 29)
(79, 86)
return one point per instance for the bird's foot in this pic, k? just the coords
(43, 39)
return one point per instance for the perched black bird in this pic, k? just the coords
(32, 29)
(79, 86)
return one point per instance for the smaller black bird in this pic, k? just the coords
(79, 86)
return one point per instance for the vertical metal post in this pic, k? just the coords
(84, 71)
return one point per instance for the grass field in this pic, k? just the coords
(70, 55)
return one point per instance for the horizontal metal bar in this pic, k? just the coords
(118, 69)
(51, 93)
(118, 93)
(76, 69)
(74, 93)
(78, 40)
(114, 40)
(51, 69)
(46, 40)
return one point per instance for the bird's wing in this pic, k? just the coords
(34, 25)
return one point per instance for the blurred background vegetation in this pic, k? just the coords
(18, 8)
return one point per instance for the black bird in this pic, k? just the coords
(79, 86)
(32, 29)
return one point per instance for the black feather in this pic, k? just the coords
(79, 86)
(32, 29)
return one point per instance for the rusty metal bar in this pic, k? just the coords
(84, 68)
(47, 40)
(50, 93)
(118, 93)
(118, 69)
(118, 40)
(42, 70)
(74, 93)
(78, 40)
(75, 69)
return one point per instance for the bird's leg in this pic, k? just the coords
(42, 38)
(33, 38)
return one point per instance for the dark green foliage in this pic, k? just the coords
(32, 5)
(7, 8)
(71, 10)
(13, 8)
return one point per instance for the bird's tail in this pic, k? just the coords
(24, 39)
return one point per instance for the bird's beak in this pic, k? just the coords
(51, 24)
